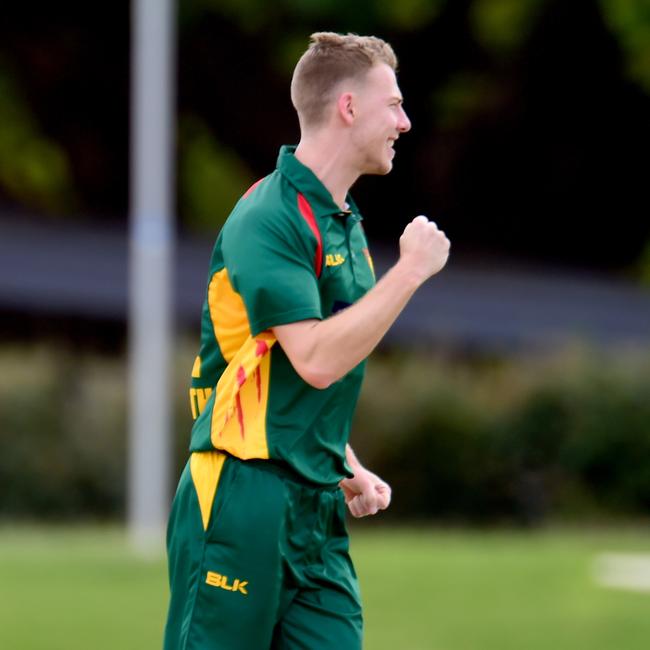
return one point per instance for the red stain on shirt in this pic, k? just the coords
(240, 416)
(241, 376)
(258, 383)
(261, 349)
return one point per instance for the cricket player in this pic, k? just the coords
(257, 543)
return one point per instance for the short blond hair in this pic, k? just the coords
(330, 59)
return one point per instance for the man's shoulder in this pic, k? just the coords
(270, 203)
(273, 192)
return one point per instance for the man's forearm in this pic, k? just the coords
(337, 344)
(324, 351)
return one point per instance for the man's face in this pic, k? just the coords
(379, 120)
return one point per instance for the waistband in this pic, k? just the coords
(284, 471)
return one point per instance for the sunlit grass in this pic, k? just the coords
(423, 589)
(458, 591)
(78, 588)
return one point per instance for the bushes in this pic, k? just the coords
(61, 434)
(473, 440)
(516, 440)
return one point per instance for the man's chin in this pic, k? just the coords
(380, 169)
(388, 163)
(388, 167)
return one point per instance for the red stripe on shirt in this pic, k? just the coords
(308, 215)
(251, 188)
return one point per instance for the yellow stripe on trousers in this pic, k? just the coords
(205, 468)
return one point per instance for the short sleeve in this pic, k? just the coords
(270, 263)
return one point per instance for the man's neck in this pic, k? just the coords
(330, 161)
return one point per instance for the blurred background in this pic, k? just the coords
(509, 407)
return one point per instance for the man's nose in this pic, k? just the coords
(405, 123)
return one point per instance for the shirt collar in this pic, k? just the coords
(307, 183)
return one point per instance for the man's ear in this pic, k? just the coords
(345, 107)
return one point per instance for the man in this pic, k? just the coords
(258, 550)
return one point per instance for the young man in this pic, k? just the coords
(258, 550)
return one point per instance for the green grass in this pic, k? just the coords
(70, 589)
(458, 591)
(423, 589)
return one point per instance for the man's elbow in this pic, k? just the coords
(317, 377)
(299, 343)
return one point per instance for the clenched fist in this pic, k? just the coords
(423, 248)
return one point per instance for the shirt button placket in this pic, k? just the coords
(351, 222)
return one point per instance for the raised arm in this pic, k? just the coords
(323, 351)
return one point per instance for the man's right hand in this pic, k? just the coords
(423, 248)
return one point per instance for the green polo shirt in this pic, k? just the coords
(286, 253)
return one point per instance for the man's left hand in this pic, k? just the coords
(365, 493)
